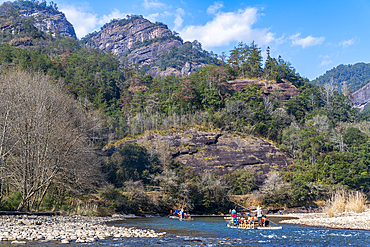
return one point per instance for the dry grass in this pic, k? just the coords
(356, 202)
(83, 209)
(343, 201)
(248, 200)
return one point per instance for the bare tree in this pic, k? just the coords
(327, 92)
(269, 105)
(46, 137)
(168, 180)
(272, 183)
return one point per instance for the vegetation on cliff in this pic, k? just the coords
(355, 76)
(327, 140)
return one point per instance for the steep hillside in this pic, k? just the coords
(19, 19)
(354, 76)
(157, 50)
(361, 97)
(215, 152)
(185, 140)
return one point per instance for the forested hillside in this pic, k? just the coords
(354, 76)
(91, 116)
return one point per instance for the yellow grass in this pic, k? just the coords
(356, 202)
(343, 201)
(247, 200)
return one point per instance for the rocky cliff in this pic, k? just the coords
(123, 37)
(51, 21)
(361, 97)
(15, 18)
(216, 152)
(147, 44)
(284, 87)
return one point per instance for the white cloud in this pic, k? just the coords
(306, 42)
(325, 60)
(85, 22)
(325, 63)
(155, 4)
(152, 17)
(116, 14)
(227, 27)
(215, 7)
(178, 20)
(346, 43)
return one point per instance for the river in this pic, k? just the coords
(212, 231)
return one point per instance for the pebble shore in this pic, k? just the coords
(348, 220)
(80, 229)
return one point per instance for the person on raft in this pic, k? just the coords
(234, 216)
(242, 221)
(265, 221)
(259, 215)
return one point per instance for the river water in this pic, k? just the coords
(212, 231)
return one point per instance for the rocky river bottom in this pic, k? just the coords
(162, 231)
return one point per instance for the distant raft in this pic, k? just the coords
(178, 218)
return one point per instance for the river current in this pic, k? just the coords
(212, 232)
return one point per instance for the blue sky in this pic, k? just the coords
(314, 36)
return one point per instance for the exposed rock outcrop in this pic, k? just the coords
(361, 97)
(45, 18)
(286, 88)
(217, 153)
(142, 42)
(120, 37)
(52, 21)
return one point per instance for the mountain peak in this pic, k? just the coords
(46, 18)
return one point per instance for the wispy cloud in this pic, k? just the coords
(346, 43)
(178, 20)
(215, 7)
(306, 42)
(85, 22)
(155, 4)
(227, 27)
(152, 17)
(325, 60)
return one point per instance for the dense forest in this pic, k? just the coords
(92, 96)
(354, 76)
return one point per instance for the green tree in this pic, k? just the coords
(130, 162)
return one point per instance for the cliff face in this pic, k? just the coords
(218, 153)
(51, 21)
(16, 17)
(288, 90)
(120, 39)
(361, 97)
(143, 42)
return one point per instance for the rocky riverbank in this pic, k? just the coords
(347, 220)
(80, 229)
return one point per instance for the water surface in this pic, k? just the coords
(212, 231)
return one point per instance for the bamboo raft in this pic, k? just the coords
(178, 218)
(246, 225)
